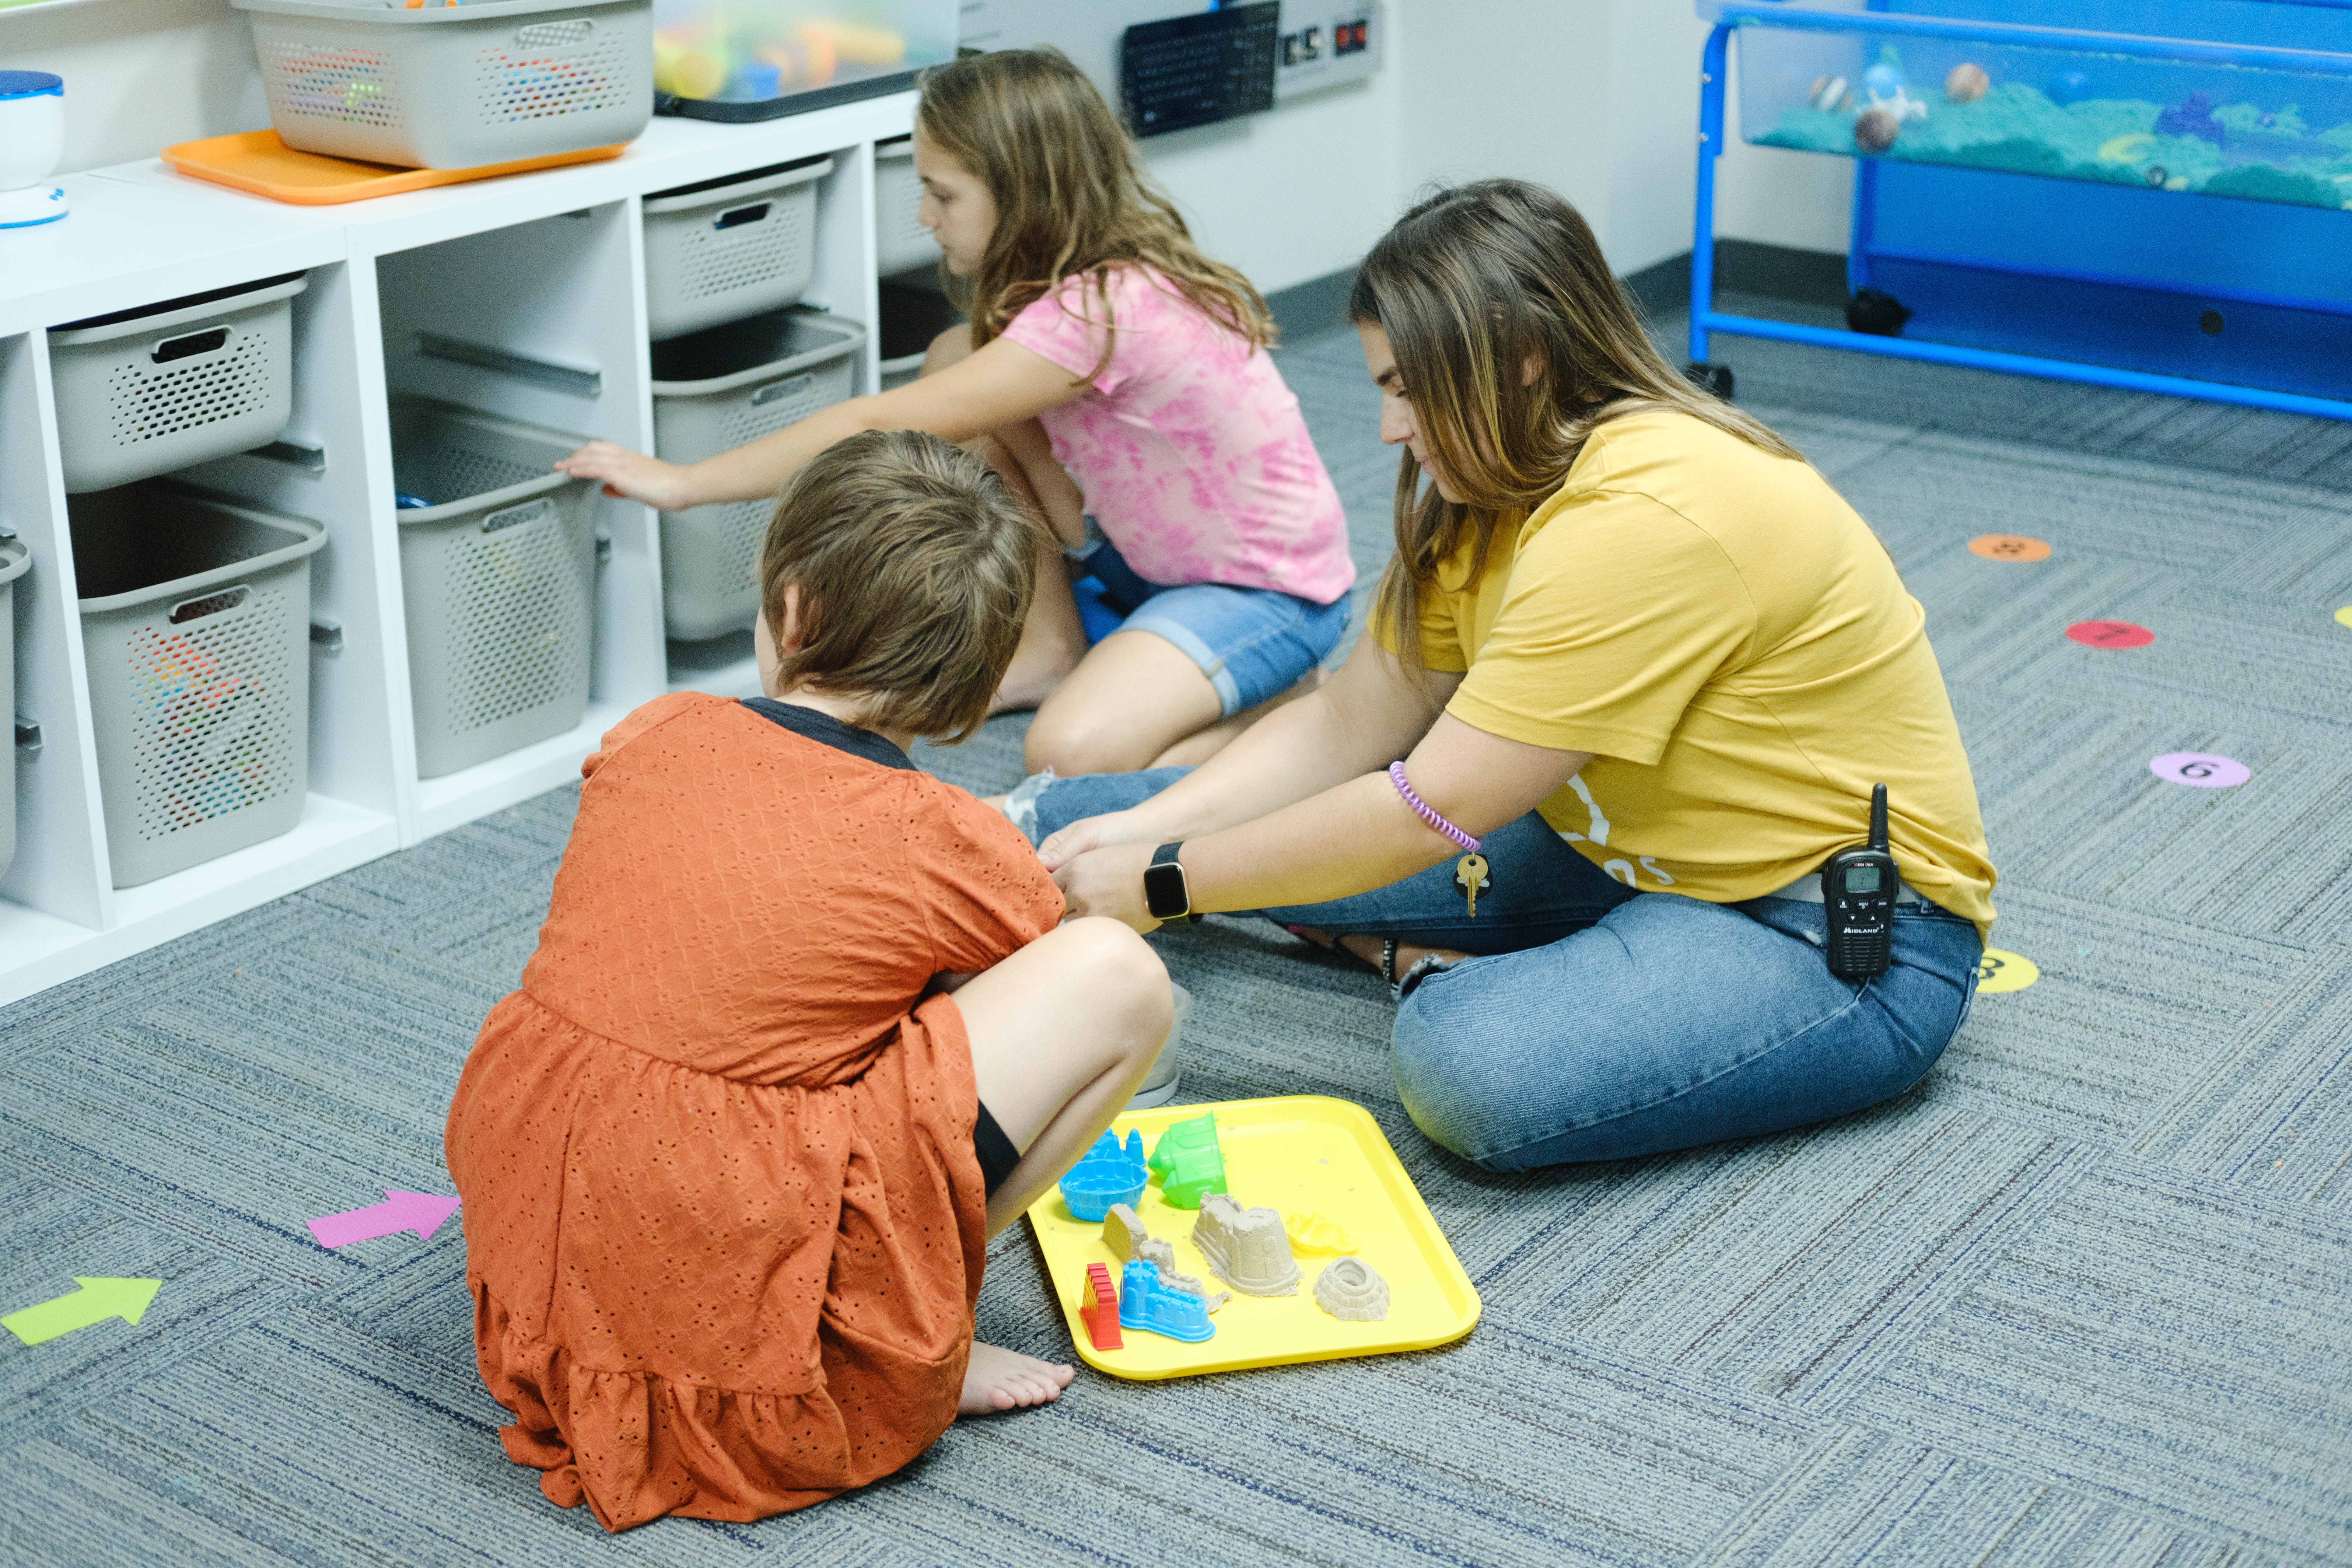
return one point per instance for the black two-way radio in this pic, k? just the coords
(1858, 897)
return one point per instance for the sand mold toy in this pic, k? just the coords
(1189, 1161)
(1151, 1304)
(1111, 1172)
(1315, 1236)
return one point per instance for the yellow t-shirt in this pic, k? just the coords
(1733, 647)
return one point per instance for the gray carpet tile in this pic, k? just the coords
(2082, 1296)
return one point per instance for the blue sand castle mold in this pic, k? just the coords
(1146, 1304)
(1189, 1161)
(1108, 1174)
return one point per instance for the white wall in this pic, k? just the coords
(1597, 98)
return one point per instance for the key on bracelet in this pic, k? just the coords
(1470, 875)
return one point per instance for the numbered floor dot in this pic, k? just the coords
(2000, 970)
(2110, 633)
(2008, 547)
(2203, 769)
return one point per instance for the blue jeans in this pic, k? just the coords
(1254, 643)
(1597, 1022)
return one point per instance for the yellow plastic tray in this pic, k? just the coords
(1301, 1152)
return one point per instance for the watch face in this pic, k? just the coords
(1163, 890)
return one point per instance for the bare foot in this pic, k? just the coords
(1368, 948)
(999, 1379)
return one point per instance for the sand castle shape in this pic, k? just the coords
(1246, 1248)
(1189, 1161)
(1124, 1234)
(1351, 1289)
(1149, 1304)
(1110, 1174)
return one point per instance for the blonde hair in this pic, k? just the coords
(1472, 285)
(1071, 198)
(915, 563)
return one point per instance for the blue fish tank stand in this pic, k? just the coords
(2151, 194)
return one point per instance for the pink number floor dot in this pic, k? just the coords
(2203, 769)
(2110, 633)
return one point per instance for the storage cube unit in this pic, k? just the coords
(497, 579)
(455, 86)
(195, 613)
(910, 318)
(900, 241)
(714, 391)
(15, 561)
(168, 385)
(721, 250)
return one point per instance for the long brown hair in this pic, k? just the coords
(1474, 283)
(1071, 198)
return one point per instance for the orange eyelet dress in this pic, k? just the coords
(723, 1220)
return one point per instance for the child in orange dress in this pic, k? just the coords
(732, 1154)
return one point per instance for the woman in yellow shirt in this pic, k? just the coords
(1636, 646)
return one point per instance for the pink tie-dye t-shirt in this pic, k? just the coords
(1191, 450)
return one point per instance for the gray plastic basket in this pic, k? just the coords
(140, 392)
(499, 579)
(15, 561)
(724, 249)
(900, 242)
(455, 86)
(715, 391)
(196, 621)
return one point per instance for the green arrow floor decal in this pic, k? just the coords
(97, 1301)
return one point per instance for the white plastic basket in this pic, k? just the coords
(455, 86)
(196, 621)
(15, 561)
(713, 392)
(723, 249)
(168, 385)
(498, 578)
(901, 243)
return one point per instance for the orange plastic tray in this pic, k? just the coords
(1298, 1152)
(261, 163)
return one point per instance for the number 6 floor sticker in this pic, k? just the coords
(2201, 769)
(2000, 970)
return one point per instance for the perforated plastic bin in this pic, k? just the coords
(717, 390)
(168, 385)
(901, 243)
(499, 576)
(723, 249)
(15, 561)
(455, 86)
(196, 621)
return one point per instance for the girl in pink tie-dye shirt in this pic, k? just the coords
(1120, 379)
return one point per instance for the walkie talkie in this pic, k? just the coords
(1858, 896)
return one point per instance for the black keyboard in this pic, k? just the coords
(1194, 70)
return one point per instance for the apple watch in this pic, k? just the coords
(1165, 892)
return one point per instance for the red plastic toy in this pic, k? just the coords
(1099, 1311)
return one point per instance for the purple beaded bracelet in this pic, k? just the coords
(1428, 813)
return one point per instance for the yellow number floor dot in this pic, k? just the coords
(2002, 970)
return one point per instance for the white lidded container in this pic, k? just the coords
(455, 86)
(168, 385)
(195, 623)
(497, 579)
(900, 242)
(713, 392)
(722, 249)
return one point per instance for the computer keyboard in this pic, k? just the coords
(1194, 70)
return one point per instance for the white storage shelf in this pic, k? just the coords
(542, 277)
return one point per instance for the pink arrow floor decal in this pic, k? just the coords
(420, 1212)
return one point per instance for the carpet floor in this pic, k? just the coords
(2084, 1296)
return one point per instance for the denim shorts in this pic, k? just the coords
(1254, 643)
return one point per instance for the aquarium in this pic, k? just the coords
(1995, 89)
(756, 60)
